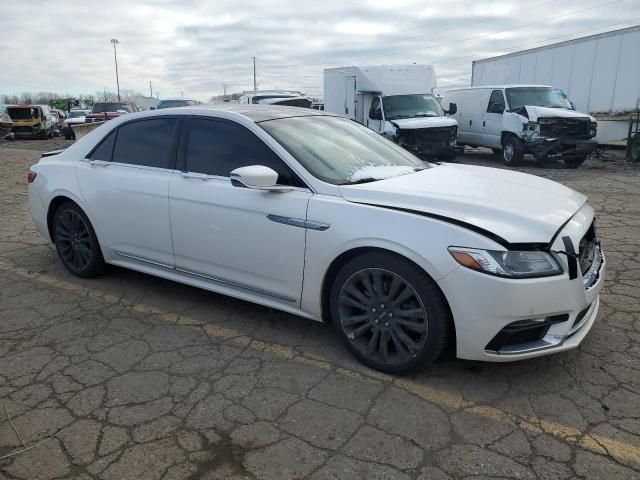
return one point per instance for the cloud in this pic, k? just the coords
(194, 46)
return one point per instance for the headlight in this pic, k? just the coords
(532, 127)
(519, 264)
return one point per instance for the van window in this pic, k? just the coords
(146, 143)
(375, 111)
(497, 99)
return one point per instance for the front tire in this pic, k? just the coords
(390, 314)
(76, 242)
(512, 150)
(574, 162)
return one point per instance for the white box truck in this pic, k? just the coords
(395, 101)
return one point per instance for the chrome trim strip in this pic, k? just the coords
(237, 285)
(144, 260)
(299, 222)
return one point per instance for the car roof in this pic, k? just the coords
(255, 113)
(497, 87)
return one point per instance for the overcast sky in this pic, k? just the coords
(193, 46)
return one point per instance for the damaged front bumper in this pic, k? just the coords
(566, 147)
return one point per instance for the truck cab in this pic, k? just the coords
(395, 101)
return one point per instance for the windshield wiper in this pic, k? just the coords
(361, 180)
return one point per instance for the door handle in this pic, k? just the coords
(483, 123)
(470, 122)
(200, 176)
(99, 163)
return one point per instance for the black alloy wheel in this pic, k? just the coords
(76, 242)
(390, 314)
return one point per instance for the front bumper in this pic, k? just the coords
(570, 147)
(502, 319)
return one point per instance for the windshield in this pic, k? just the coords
(409, 106)
(110, 107)
(176, 103)
(537, 97)
(76, 113)
(23, 113)
(340, 151)
(257, 98)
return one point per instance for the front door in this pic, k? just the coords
(126, 183)
(492, 124)
(232, 236)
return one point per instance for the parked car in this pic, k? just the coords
(395, 101)
(175, 102)
(321, 217)
(514, 120)
(75, 117)
(57, 119)
(276, 97)
(31, 121)
(103, 111)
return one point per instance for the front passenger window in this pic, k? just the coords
(216, 147)
(375, 111)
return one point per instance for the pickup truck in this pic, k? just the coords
(103, 111)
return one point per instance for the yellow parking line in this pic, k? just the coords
(619, 450)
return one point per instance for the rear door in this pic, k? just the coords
(492, 123)
(125, 181)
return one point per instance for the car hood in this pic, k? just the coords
(424, 122)
(516, 207)
(537, 112)
(74, 120)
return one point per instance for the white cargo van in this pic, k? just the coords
(514, 120)
(395, 101)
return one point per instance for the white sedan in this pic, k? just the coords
(321, 217)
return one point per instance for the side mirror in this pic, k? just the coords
(496, 108)
(152, 108)
(453, 109)
(573, 105)
(257, 177)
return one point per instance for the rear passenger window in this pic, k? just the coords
(147, 143)
(217, 147)
(105, 149)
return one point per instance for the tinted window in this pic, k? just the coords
(105, 149)
(147, 143)
(217, 148)
(496, 99)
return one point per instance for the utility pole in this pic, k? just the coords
(150, 89)
(254, 74)
(115, 57)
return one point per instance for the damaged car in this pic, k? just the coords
(318, 216)
(515, 120)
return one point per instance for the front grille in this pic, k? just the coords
(564, 127)
(435, 136)
(22, 129)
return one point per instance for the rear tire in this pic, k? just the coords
(390, 314)
(512, 150)
(574, 162)
(635, 148)
(76, 242)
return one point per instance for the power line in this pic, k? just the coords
(454, 42)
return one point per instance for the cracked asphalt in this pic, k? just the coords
(133, 377)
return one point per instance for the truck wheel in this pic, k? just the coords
(635, 148)
(512, 150)
(574, 162)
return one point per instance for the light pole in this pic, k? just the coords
(115, 57)
(254, 74)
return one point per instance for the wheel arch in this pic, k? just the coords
(344, 257)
